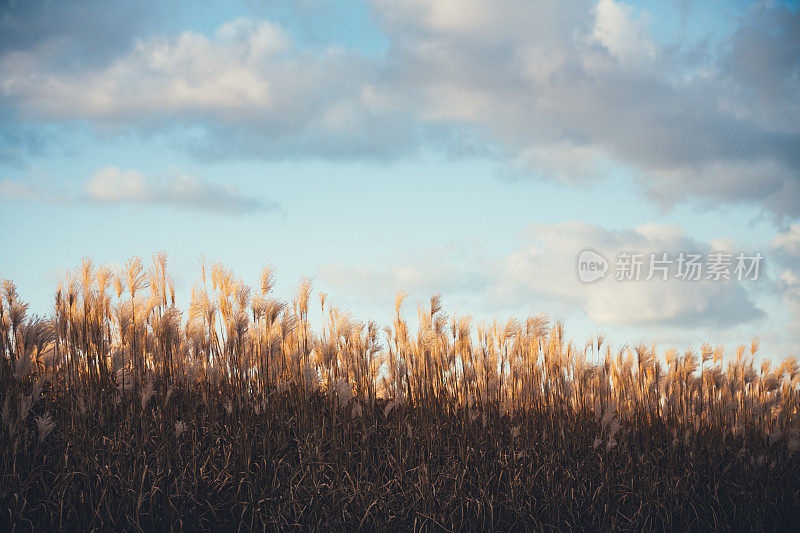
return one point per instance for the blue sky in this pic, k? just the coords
(468, 147)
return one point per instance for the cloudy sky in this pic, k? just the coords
(463, 146)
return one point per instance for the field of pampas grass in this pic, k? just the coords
(121, 412)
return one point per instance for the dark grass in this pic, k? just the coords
(312, 465)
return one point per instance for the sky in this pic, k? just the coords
(472, 148)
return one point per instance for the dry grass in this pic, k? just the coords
(119, 412)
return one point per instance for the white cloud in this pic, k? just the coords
(617, 28)
(111, 185)
(429, 271)
(544, 266)
(787, 249)
(789, 241)
(185, 74)
(541, 271)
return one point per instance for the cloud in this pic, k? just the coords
(762, 66)
(559, 78)
(541, 271)
(36, 188)
(544, 266)
(786, 246)
(14, 190)
(563, 89)
(90, 30)
(183, 75)
(430, 271)
(245, 90)
(789, 241)
(619, 31)
(111, 185)
(786, 251)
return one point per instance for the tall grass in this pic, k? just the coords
(121, 412)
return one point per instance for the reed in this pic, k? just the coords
(122, 412)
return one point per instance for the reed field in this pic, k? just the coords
(122, 412)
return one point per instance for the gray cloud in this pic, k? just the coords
(79, 32)
(594, 84)
(762, 64)
(560, 89)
